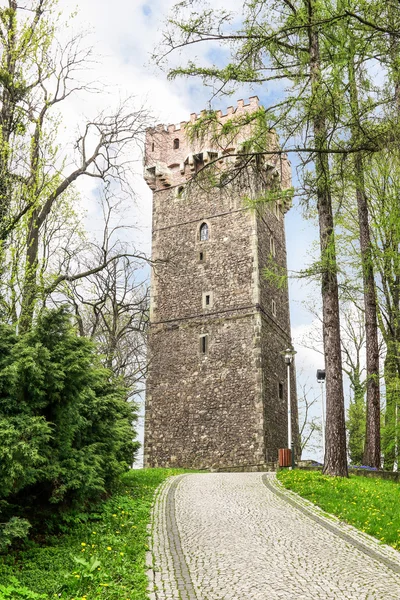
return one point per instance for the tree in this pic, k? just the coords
(356, 419)
(310, 428)
(382, 189)
(372, 449)
(66, 425)
(383, 185)
(37, 171)
(353, 344)
(113, 311)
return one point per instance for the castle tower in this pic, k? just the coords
(217, 389)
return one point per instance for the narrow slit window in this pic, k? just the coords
(280, 390)
(272, 246)
(203, 232)
(203, 344)
(176, 144)
(152, 147)
(201, 256)
(207, 299)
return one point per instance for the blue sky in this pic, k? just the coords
(124, 34)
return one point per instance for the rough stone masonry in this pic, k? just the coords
(217, 387)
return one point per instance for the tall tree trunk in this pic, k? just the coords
(335, 462)
(372, 449)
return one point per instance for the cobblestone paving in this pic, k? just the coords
(241, 536)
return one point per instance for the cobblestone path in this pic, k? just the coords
(241, 536)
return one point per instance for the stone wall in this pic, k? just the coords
(204, 411)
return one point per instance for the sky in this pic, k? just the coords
(124, 34)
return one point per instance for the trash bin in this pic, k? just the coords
(285, 457)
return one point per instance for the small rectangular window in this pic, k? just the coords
(204, 344)
(274, 308)
(208, 299)
(280, 390)
(202, 256)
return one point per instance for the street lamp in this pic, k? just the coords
(321, 376)
(289, 355)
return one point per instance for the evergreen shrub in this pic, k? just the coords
(66, 426)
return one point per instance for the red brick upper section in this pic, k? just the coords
(171, 158)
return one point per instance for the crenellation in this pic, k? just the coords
(254, 102)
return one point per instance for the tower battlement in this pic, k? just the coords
(172, 157)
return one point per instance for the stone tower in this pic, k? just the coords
(217, 390)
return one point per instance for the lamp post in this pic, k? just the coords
(321, 376)
(289, 355)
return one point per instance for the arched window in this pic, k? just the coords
(176, 144)
(203, 232)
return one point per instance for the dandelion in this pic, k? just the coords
(83, 544)
(121, 553)
(109, 548)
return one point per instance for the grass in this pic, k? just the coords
(371, 505)
(101, 557)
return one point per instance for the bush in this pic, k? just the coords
(66, 430)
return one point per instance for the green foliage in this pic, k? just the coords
(65, 424)
(14, 529)
(370, 504)
(14, 591)
(356, 429)
(103, 554)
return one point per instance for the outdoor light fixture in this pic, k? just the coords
(288, 355)
(321, 377)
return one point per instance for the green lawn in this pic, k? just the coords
(372, 505)
(102, 555)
